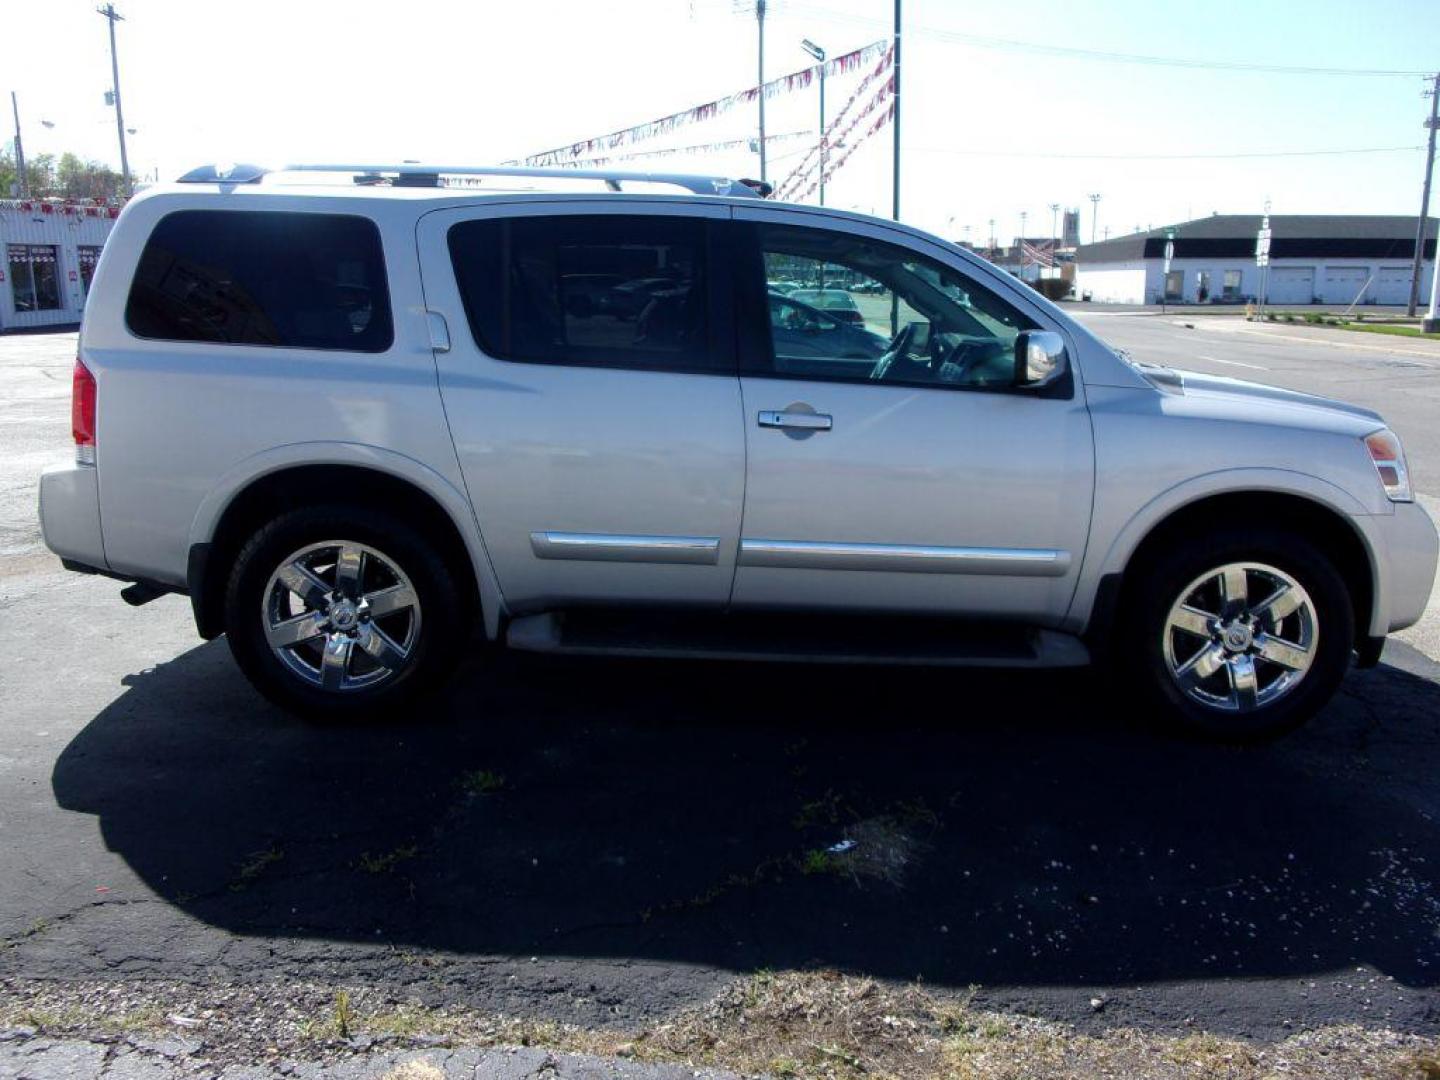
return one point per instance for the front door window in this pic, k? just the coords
(867, 311)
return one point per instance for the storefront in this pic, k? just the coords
(48, 253)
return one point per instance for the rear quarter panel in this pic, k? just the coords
(178, 422)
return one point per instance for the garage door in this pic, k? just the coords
(1343, 284)
(1291, 285)
(1392, 285)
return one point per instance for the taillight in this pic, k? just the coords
(82, 413)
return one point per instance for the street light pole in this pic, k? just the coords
(19, 148)
(819, 54)
(114, 16)
(760, 19)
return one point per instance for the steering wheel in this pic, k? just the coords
(967, 358)
(899, 346)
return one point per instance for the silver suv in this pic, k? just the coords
(352, 411)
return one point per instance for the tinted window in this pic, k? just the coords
(603, 290)
(875, 312)
(312, 281)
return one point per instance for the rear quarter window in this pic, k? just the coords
(242, 277)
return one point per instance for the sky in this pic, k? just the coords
(993, 125)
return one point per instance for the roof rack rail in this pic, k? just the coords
(415, 174)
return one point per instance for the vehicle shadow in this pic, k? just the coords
(1016, 830)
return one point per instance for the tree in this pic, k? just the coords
(77, 179)
(71, 177)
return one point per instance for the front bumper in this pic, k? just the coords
(70, 515)
(1406, 547)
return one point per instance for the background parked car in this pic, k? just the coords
(799, 329)
(836, 302)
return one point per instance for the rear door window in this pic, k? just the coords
(611, 290)
(292, 280)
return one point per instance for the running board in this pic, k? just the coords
(828, 638)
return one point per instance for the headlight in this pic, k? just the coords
(1389, 459)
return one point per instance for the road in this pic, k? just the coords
(603, 843)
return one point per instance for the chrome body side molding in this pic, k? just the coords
(904, 558)
(618, 547)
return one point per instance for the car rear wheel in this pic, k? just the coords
(338, 612)
(1242, 635)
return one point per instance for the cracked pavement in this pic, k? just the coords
(26, 1056)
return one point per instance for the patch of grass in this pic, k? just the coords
(254, 866)
(70, 1019)
(386, 863)
(343, 1015)
(818, 861)
(1396, 329)
(1422, 1066)
(482, 782)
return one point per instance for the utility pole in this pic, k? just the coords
(114, 16)
(895, 104)
(19, 148)
(1418, 264)
(760, 19)
(1094, 216)
(991, 248)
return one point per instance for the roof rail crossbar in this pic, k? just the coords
(695, 184)
(413, 174)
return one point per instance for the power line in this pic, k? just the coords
(1073, 53)
(1162, 157)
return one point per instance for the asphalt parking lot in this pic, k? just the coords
(606, 842)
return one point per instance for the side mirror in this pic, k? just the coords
(1039, 358)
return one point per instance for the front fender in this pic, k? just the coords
(1114, 541)
(451, 499)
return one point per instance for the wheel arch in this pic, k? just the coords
(362, 476)
(1324, 513)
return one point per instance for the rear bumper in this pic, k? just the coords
(1407, 547)
(70, 515)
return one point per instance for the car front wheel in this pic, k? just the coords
(1242, 635)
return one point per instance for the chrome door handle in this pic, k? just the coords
(797, 421)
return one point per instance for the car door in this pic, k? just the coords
(920, 483)
(590, 388)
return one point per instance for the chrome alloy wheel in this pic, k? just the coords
(341, 615)
(1241, 637)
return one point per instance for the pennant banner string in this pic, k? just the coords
(785, 84)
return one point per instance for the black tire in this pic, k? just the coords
(444, 617)
(1156, 584)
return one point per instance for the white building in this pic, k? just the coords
(1314, 259)
(49, 248)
